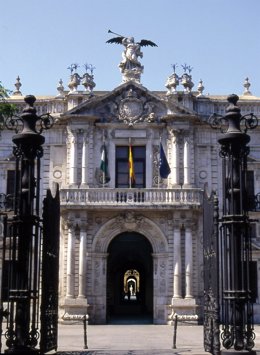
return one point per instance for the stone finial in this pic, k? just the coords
(186, 79)
(247, 86)
(74, 83)
(200, 88)
(88, 78)
(60, 88)
(187, 83)
(17, 85)
(172, 81)
(74, 78)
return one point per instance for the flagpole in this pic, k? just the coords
(158, 185)
(103, 143)
(130, 182)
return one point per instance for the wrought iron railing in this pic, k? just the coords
(127, 197)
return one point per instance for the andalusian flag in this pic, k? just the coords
(104, 164)
(131, 167)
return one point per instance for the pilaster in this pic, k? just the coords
(177, 261)
(186, 163)
(84, 160)
(82, 259)
(188, 260)
(70, 260)
(72, 152)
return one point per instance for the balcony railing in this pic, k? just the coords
(131, 197)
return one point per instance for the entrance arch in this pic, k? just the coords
(130, 222)
(130, 278)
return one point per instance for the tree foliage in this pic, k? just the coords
(6, 109)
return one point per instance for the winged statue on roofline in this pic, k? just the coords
(130, 65)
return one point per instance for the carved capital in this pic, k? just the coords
(83, 226)
(71, 225)
(178, 224)
(71, 136)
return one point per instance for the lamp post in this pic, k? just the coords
(235, 239)
(24, 237)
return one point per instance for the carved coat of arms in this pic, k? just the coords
(130, 109)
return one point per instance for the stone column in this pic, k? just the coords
(188, 261)
(160, 261)
(82, 260)
(99, 286)
(73, 158)
(186, 163)
(70, 260)
(177, 263)
(175, 160)
(84, 162)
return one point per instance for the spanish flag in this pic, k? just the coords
(131, 168)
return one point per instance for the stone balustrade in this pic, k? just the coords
(131, 197)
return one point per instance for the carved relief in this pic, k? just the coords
(129, 108)
(162, 269)
(129, 221)
(97, 273)
(155, 266)
(162, 286)
(156, 178)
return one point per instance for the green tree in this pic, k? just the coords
(6, 109)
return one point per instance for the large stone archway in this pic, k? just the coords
(130, 279)
(129, 222)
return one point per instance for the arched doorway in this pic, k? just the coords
(130, 279)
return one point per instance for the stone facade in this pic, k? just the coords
(162, 220)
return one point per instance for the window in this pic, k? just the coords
(122, 166)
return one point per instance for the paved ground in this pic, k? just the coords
(134, 340)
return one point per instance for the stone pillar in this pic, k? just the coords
(84, 162)
(186, 163)
(188, 261)
(73, 158)
(160, 261)
(70, 260)
(99, 286)
(82, 260)
(177, 263)
(175, 161)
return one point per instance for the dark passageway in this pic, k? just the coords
(130, 279)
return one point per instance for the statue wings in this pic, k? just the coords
(145, 43)
(117, 40)
(142, 43)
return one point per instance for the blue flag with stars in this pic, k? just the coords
(164, 167)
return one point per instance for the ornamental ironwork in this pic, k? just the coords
(23, 238)
(235, 251)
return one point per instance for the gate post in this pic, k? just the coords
(25, 233)
(211, 273)
(235, 239)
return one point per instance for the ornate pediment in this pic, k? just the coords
(130, 104)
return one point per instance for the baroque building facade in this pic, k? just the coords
(134, 249)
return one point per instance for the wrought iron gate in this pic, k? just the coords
(29, 246)
(211, 274)
(50, 272)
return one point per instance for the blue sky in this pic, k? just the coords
(220, 39)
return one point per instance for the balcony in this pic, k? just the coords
(127, 198)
